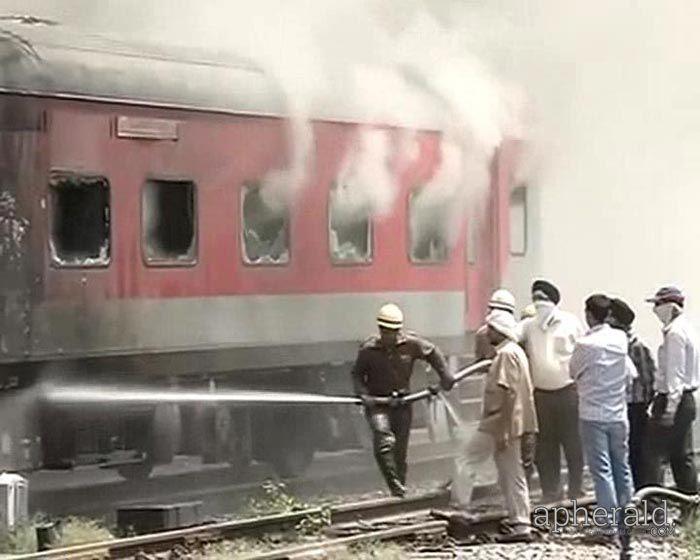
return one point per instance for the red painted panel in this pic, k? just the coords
(220, 153)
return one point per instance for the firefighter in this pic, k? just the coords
(501, 300)
(383, 369)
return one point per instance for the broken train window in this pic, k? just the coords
(265, 228)
(79, 220)
(349, 228)
(428, 227)
(169, 225)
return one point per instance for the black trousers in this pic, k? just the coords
(557, 416)
(528, 445)
(675, 442)
(639, 443)
(390, 430)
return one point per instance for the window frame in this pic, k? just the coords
(525, 224)
(241, 230)
(169, 263)
(409, 237)
(370, 237)
(67, 173)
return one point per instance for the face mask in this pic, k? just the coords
(664, 312)
(543, 308)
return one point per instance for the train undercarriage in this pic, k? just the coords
(133, 439)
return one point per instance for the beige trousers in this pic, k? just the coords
(471, 466)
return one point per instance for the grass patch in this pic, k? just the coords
(276, 499)
(78, 530)
(20, 540)
(70, 531)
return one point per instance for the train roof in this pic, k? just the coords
(41, 57)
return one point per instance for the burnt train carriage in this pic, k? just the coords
(138, 248)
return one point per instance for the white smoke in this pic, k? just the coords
(385, 60)
(366, 183)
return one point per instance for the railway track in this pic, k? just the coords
(417, 508)
(416, 519)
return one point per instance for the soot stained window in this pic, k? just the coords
(428, 223)
(265, 229)
(80, 220)
(169, 222)
(349, 229)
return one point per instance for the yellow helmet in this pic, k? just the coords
(390, 316)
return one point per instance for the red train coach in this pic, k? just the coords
(139, 249)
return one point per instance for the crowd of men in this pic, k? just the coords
(552, 387)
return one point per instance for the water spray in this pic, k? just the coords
(104, 395)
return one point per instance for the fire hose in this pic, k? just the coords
(653, 491)
(432, 390)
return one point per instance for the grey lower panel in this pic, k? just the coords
(288, 327)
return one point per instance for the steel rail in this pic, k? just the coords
(164, 541)
(422, 528)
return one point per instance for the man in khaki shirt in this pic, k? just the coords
(501, 300)
(508, 412)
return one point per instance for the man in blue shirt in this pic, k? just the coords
(603, 372)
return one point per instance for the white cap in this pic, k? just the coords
(503, 322)
(390, 316)
(503, 300)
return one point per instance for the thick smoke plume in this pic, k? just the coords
(386, 61)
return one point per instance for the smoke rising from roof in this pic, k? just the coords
(385, 59)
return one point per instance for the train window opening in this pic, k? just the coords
(80, 220)
(518, 221)
(265, 228)
(349, 229)
(428, 228)
(169, 222)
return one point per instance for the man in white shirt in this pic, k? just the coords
(549, 338)
(603, 373)
(678, 377)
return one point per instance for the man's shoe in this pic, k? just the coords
(398, 490)
(524, 536)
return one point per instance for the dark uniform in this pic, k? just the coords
(380, 371)
(641, 394)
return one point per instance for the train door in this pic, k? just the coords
(488, 233)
